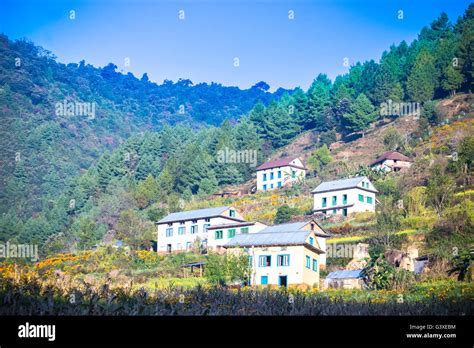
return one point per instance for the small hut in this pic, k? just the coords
(194, 269)
(345, 279)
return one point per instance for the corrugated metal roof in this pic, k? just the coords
(294, 226)
(269, 239)
(345, 274)
(339, 184)
(193, 214)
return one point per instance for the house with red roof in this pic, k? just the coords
(391, 161)
(279, 173)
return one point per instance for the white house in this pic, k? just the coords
(178, 231)
(283, 172)
(309, 225)
(391, 161)
(345, 196)
(220, 234)
(290, 259)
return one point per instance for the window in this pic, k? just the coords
(311, 240)
(271, 186)
(283, 260)
(265, 261)
(361, 198)
(206, 227)
(232, 213)
(264, 280)
(244, 230)
(264, 187)
(271, 176)
(334, 211)
(231, 233)
(279, 184)
(207, 219)
(344, 199)
(219, 234)
(264, 177)
(334, 200)
(181, 230)
(279, 174)
(308, 260)
(188, 245)
(315, 265)
(325, 202)
(293, 174)
(181, 222)
(194, 229)
(169, 232)
(250, 261)
(369, 200)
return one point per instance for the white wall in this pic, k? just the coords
(352, 198)
(214, 244)
(388, 164)
(286, 177)
(180, 242)
(296, 272)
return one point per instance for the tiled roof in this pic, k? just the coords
(193, 214)
(271, 239)
(391, 155)
(339, 184)
(345, 274)
(279, 163)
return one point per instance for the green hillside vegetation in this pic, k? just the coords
(77, 182)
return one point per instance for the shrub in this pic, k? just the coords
(378, 273)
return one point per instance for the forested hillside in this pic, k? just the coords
(43, 149)
(160, 168)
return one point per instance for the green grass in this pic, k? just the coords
(350, 239)
(161, 283)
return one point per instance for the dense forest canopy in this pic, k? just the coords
(156, 145)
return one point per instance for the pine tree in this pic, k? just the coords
(361, 113)
(422, 80)
(452, 79)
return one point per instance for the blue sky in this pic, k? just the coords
(202, 47)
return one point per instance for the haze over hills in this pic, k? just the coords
(55, 145)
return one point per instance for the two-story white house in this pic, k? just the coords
(283, 172)
(177, 232)
(391, 161)
(308, 225)
(280, 258)
(345, 196)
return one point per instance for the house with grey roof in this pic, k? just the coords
(206, 229)
(345, 279)
(345, 196)
(309, 225)
(286, 256)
